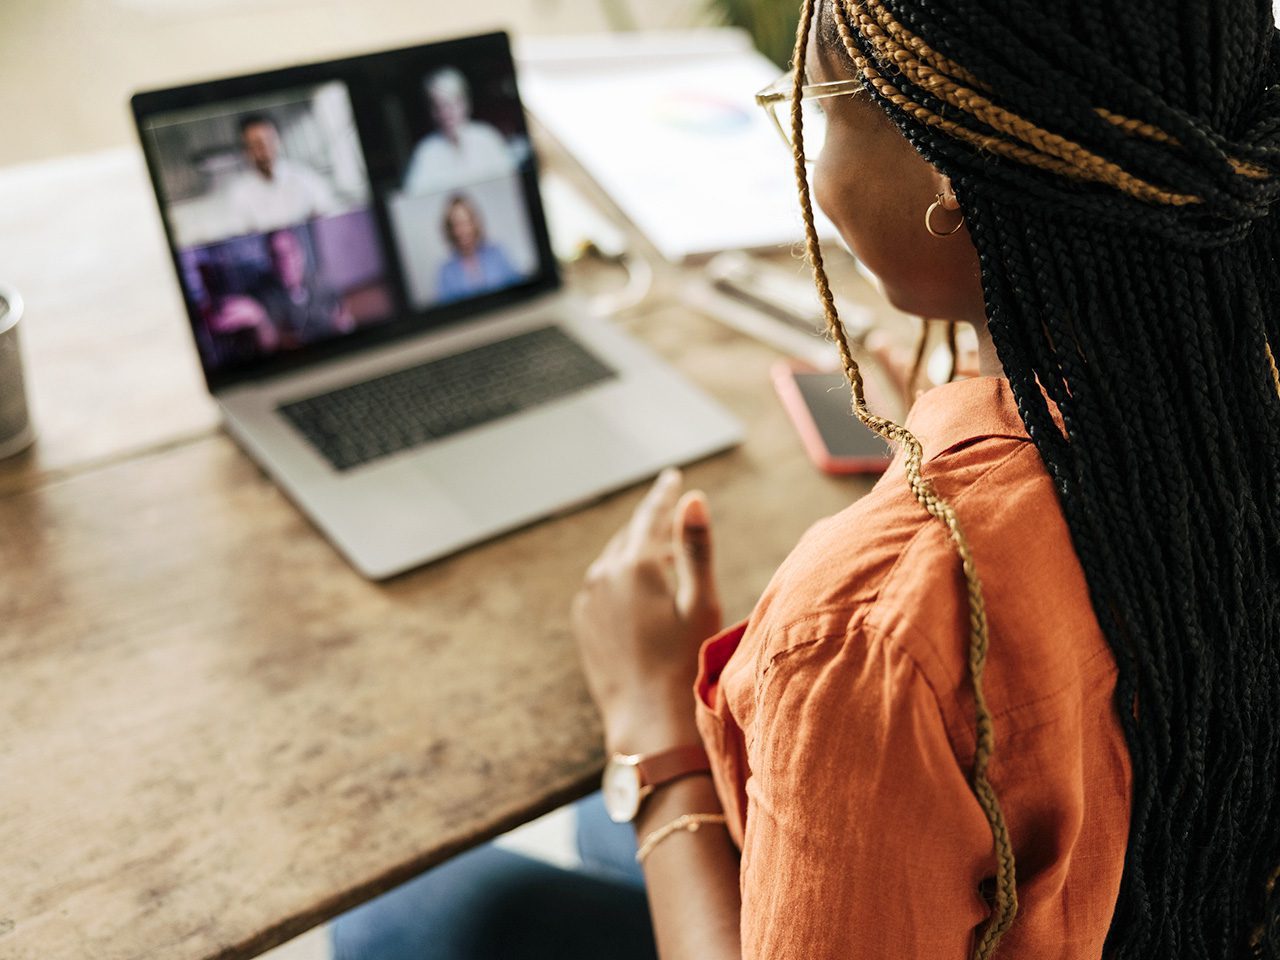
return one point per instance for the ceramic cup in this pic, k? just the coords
(16, 430)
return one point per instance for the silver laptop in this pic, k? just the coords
(366, 268)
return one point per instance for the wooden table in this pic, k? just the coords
(213, 733)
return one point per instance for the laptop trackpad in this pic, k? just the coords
(535, 463)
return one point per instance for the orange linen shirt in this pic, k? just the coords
(839, 717)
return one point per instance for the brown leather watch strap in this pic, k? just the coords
(666, 765)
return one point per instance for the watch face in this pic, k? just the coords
(621, 789)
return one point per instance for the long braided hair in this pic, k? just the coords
(1116, 164)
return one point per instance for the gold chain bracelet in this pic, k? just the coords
(689, 822)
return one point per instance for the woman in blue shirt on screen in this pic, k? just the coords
(477, 265)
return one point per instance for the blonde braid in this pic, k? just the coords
(896, 46)
(904, 103)
(922, 50)
(1005, 907)
(1153, 133)
(1078, 162)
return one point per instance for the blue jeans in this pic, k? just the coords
(493, 904)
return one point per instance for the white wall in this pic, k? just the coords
(67, 67)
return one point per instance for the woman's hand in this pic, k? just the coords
(648, 602)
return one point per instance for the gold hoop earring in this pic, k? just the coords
(928, 220)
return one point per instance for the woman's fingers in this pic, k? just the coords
(647, 533)
(691, 532)
(650, 525)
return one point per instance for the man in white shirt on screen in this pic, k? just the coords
(461, 150)
(275, 191)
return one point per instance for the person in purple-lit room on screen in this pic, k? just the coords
(302, 308)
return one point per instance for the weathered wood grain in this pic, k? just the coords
(213, 734)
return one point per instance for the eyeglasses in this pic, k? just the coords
(775, 99)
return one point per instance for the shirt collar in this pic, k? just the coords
(960, 412)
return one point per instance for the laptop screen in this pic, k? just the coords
(319, 208)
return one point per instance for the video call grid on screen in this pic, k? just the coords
(312, 208)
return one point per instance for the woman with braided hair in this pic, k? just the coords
(1023, 699)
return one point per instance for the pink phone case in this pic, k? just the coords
(784, 382)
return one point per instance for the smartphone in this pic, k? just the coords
(819, 406)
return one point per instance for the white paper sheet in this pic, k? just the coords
(668, 126)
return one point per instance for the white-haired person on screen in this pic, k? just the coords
(460, 150)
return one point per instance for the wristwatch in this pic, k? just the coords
(628, 779)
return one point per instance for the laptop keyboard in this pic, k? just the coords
(375, 418)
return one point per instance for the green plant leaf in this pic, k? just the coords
(771, 23)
